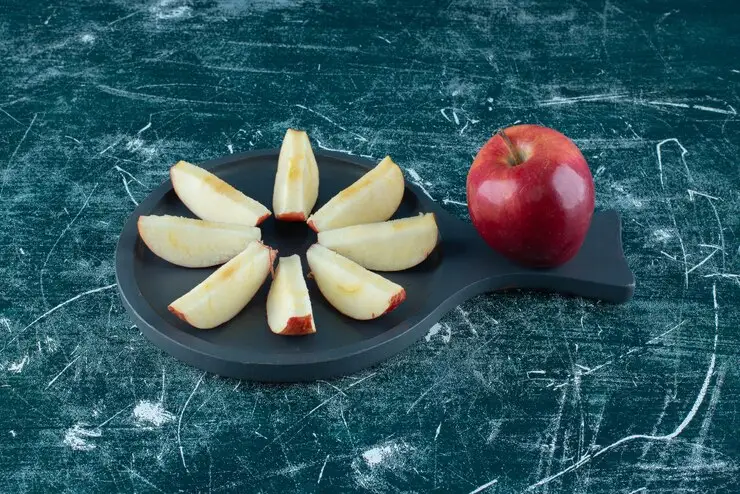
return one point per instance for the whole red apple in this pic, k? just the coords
(531, 195)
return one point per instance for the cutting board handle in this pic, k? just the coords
(599, 270)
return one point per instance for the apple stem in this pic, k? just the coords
(515, 158)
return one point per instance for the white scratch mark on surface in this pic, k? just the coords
(484, 486)
(684, 152)
(76, 437)
(363, 139)
(442, 111)
(147, 412)
(693, 193)
(720, 228)
(123, 18)
(683, 249)
(15, 151)
(17, 367)
(318, 142)
(119, 412)
(419, 182)
(670, 396)
(628, 352)
(670, 207)
(128, 191)
(450, 201)
(710, 246)
(414, 174)
(140, 477)
(12, 433)
(466, 319)
(361, 380)
(230, 148)
(179, 421)
(436, 383)
(66, 229)
(649, 437)
(62, 371)
(147, 126)
(715, 110)
(326, 148)
(112, 145)
(707, 422)
(591, 97)
(384, 39)
(668, 255)
(124, 171)
(126, 182)
(668, 103)
(641, 489)
(703, 261)
(6, 322)
(723, 275)
(439, 428)
(321, 473)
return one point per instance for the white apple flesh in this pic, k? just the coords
(392, 245)
(228, 290)
(373, 197)
(351, 289)
(289, 310)
(212, 199)
(194, 243)
(297, 179)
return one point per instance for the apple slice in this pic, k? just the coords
(194, 243)
(392, 245)
(228, 290)
(351, 289)
(212, 199)
(373, 197)
(297, 180)
(288, 304)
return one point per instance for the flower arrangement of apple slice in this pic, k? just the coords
(355, 237)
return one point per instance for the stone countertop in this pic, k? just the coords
(509, 392)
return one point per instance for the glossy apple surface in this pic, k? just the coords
(530, 195)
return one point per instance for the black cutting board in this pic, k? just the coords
(244, 347)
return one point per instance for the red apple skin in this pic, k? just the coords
(536, 213)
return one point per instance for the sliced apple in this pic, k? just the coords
(351, 289)
(373, 197)
(228, 290)
(392, 245)
(297, 180)
(193, 243)
(212, 199)
(288, 304)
